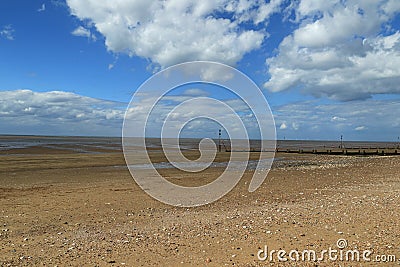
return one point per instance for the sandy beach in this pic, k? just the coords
(59, 207)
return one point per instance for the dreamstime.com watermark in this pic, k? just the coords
(340, 253)
(170, 101)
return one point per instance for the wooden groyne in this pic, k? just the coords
(334, 151)
(349, 151)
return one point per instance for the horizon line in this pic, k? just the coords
(216, 138)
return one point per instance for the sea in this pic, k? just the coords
(10, 143)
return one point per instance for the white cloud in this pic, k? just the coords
(42, 8)
(57, 112)
(217, 73)
(195, 92)
(336, 118)
(357, 120)
(185, 107)
(314, 7)
(339, 51)
(267, 10)
(174, 31)
(8, 32)
(391, 7)
(83, 32)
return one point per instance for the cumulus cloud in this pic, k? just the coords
(339, 50)
(57, 112)
(83, 32)
(173, 31)
(8, 32)
(267, 9)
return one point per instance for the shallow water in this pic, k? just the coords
(235, 165)
(76, 144)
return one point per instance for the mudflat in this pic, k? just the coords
(60, 207)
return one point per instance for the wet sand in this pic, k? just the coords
(64, 208)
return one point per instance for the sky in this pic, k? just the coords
(326, 68)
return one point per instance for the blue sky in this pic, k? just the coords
(45, 56)
(326, 68)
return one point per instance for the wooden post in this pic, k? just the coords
(341, 141)
(219, 140)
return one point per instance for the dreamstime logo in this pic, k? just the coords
(170, 102)
(341, 253)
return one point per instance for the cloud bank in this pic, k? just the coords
(64, 113)
(375, 120)
(57, 112)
